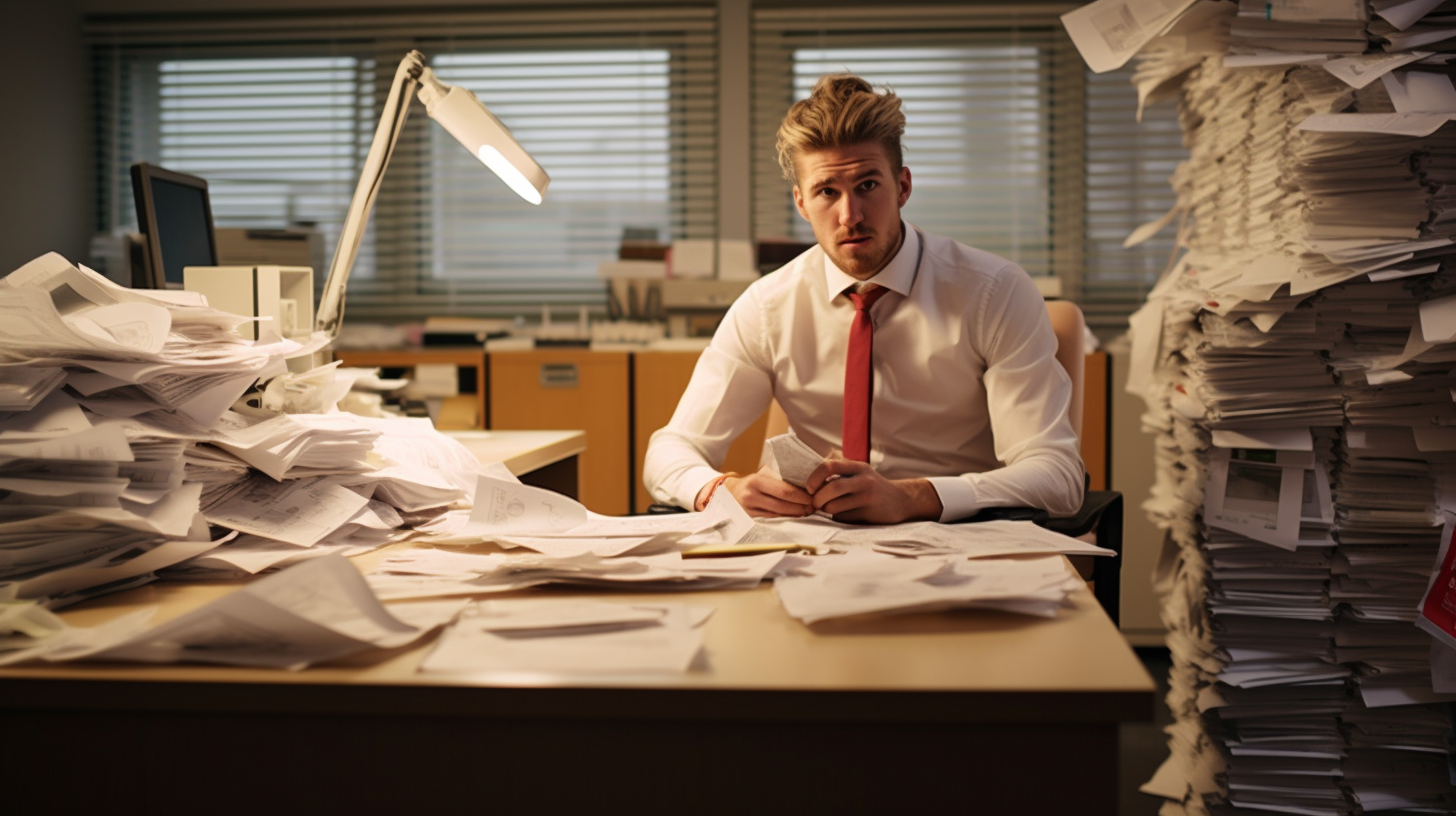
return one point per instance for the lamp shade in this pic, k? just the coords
(474, 126)
(459, 112)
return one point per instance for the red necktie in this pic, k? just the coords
(858, 376)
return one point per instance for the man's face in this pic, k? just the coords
(852, 198)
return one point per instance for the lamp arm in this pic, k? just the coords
(391, 124)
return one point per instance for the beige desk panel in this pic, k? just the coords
(522, 451)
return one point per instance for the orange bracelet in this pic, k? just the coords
(712, 487)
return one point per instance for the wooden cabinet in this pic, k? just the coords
(659, 378)
(573, 389)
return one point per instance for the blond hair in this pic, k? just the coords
(842, 110)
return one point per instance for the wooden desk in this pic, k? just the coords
(969, 712)
(542, 458)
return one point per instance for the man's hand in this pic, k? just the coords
(762, 494)
(854, 491)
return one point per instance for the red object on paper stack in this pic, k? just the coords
(1438, 608)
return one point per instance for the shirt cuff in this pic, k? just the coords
(958, 498)
(691, 482)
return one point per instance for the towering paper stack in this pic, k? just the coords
(1299, 364)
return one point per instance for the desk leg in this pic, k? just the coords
(561, 477)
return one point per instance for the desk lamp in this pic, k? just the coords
(469, 121)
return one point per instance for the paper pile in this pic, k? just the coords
(124, 438)
(1297, 364)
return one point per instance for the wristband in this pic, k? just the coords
(712, 488)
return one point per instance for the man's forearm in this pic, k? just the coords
(922, 502)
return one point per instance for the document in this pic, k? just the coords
(438, 573)
(505, 507)
(1267, 495)
(868, 583)
(316, 611)
(982, 539)
(1420, 92)
(1403, 13)
(566, 636)
(790, 459)
(300, 512)
(1109, 32)
(1395, 124)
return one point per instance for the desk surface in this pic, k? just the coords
(522, 451)
(969, 666)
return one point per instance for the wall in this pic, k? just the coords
(46, 147)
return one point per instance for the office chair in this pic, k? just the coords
(1101, 510)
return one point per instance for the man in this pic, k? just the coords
(930, 364)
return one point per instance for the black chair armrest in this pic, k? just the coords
(1094, 504)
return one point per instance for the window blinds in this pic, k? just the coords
(617, 105)
(1014, 147)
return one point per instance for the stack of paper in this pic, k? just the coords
(119, 473)
(292, 446)
(83, 509)
(22, 388)
(1316, 291)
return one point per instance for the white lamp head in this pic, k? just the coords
(459, 112)
(474, 126)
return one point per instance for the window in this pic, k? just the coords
(1015, 147)
(617, 105)
(599, 121)
(976, 140)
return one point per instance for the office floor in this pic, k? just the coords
(1144, 746)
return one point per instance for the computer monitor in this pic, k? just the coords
(174, 217)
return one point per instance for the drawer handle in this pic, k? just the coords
(559, 375)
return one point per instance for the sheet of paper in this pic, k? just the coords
(668, 642)
(876, 584)
(1405, 14)
(507, 507)
(318, 610)
(299, 512)
(1359, 71)
(1109, 32)
(982, 539)
(1396, 124)
(790, 458)
(1420, 92)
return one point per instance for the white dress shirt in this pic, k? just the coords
(967, 390)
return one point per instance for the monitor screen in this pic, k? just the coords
(175, 219)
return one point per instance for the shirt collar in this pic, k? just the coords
(897, 276)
